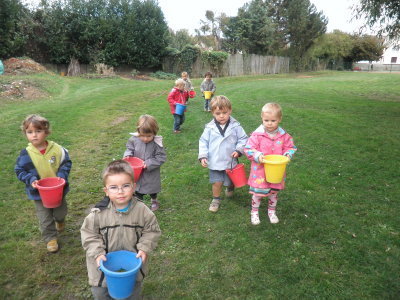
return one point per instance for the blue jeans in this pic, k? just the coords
(178, 121)
(207, 104)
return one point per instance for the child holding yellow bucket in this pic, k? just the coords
(177, 96)
(43, 159)
(220, 145)
(267, 139)
(208, 88)
(147, 145)
(119, 222)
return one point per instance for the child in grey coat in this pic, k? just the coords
(147, 145)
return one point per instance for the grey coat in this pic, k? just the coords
(153, 155)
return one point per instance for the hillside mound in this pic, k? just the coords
(21, 66)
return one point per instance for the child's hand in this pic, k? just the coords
(204, 162)
(142, 255)
(34, 184)
(144, 166)
(235, 154)
(100, 257)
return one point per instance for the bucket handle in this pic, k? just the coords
(232, 162)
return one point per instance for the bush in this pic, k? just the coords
(163, 75)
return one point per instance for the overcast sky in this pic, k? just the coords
(187, 14)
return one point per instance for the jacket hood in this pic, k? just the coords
(260, 130)
(158, 139)
(233, 123)
(33, 149)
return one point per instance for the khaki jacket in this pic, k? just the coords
(106, 230)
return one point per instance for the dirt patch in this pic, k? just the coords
(21, 89)
(20, 66)
(303, 76)
(119, 120)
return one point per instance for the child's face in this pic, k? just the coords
(119, 188)
(270, 121)
(146, 138)
(181, 87)
(222, 115)
(36, 136)
(208, 77)
(184, 77)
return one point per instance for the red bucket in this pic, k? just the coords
(51, 191)
(137, 166)
(192, 94)
(237, 175)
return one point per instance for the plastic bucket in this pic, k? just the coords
(120, 269)
(237, 175)
(180, 109)
(192, 94)
(207, 95)
(51, 191)
(275, 167)
(136, 165)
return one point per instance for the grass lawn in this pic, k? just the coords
(339, 230)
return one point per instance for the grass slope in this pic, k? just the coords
(339, 230)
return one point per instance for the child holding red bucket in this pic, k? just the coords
(188, 84)
(42, 159)
(177, 95)
(207, 85)
(267, 139)
(147, 145)
(119, 222)
(220, 145)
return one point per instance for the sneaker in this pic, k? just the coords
(209, 109)
(154, 205)
(52, 246)
(273, 218)
(214, 206)
(228, 193)
(255, 219)
(177, 131)
(60, 226)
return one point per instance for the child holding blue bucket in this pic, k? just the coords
(178, 96)
(220, 145)
(41, 159)
(118, 222)
(207, 85)
(267, 139)
(147, 145)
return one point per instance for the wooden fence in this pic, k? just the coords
(235, 65)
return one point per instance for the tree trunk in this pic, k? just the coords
(74, 68)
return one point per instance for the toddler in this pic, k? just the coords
(178, 95)
(267, 139)
(220, 145)
(188, 84)
(207, 85)
(147, 145)
(42, 159)
(118, 222)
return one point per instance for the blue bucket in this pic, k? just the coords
(120, 283)
(180, 109)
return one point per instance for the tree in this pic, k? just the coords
(366, 47)
(384, 13)
(180, 39)
(210, 30)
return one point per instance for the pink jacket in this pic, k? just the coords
(176, 96)
(260, 143)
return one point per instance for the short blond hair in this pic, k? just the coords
(147, 125)
(185, 74)
(273, 108)
(221, 102)
(115, 167)
(180, 82)
(37, 121)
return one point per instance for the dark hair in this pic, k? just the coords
(37, 121)
(119, 166)
(208, 74)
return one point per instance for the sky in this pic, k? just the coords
(187, 14)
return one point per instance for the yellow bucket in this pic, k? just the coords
(207, 95)
(274, 167)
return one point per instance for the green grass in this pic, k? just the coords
(339, 231)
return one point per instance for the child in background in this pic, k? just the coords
(42, 159)
(118, 222)
(177, 95)
(207, 85)
(220, 145)
(188, 84)
(147, 145)
(267, 139)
